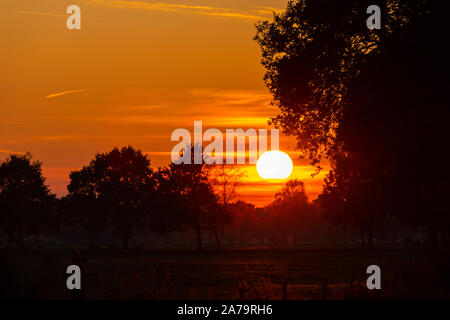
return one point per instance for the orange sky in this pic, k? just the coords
(136, 71)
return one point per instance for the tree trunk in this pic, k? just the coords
(91, 238)
(433, 238)
(125, 238)
(216, 234)
(148, 234)
(125, 242)
(363, 238)
(21, 242)
(199, 239)
(370, 237)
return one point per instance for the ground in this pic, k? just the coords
(167, 273)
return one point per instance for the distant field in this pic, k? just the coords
(186, 274)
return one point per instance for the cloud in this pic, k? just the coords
(56, 138)
(233, 96)
(246, 103)
(141, 108)
(53, 95)
(42, 13)
(52, 14)
(12, 122)
(212, 106)
(182, 8)
(266, 10)
(10, 151)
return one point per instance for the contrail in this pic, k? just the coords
(42, 13)
(53, 95)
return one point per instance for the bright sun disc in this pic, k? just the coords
(274, 165)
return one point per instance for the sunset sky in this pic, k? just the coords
(136, 71)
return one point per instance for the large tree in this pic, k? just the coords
(291, 211)
(244, 220)
(226, 180)
(27, 206)
(189, 189)
(115, 188)
(373, 102)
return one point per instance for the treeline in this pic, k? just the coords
(120, 193)
(372, 102)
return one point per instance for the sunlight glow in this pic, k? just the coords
(274, 165)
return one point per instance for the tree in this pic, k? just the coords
(290, 210)
(115, 188)
(312, 52)
(263, 226)
(226, 180)
(192, 193)
(373, 102)
(84, 204)
(244, 219)
(25, 200)
(349, 199)
(169, 203)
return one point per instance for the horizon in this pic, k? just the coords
(169, 70)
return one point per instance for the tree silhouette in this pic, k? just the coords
(114, 188)
(373, 102)
(27, 206)
(193, 193)
(290, 210)
(169, 206)
(84, 203)
(226, 179)
(243, 216)
(350, 199)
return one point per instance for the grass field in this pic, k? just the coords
(294, 273)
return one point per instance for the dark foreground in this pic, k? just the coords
(292, 273)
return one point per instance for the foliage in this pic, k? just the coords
(226, 179)
(25, 200)
(114, 188)
(372, 102)
(193, 193)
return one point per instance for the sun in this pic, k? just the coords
(274, 165)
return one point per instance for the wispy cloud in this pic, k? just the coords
(57, 138)
(213, 106)
(141, 108)
(11, 122)
(266, 10)
(245, 103)
(54, 95)
(10, 151)
(184, 8)
(237, 97)
(37, 13)
(52, 14)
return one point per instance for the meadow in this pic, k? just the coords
(300, 272)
